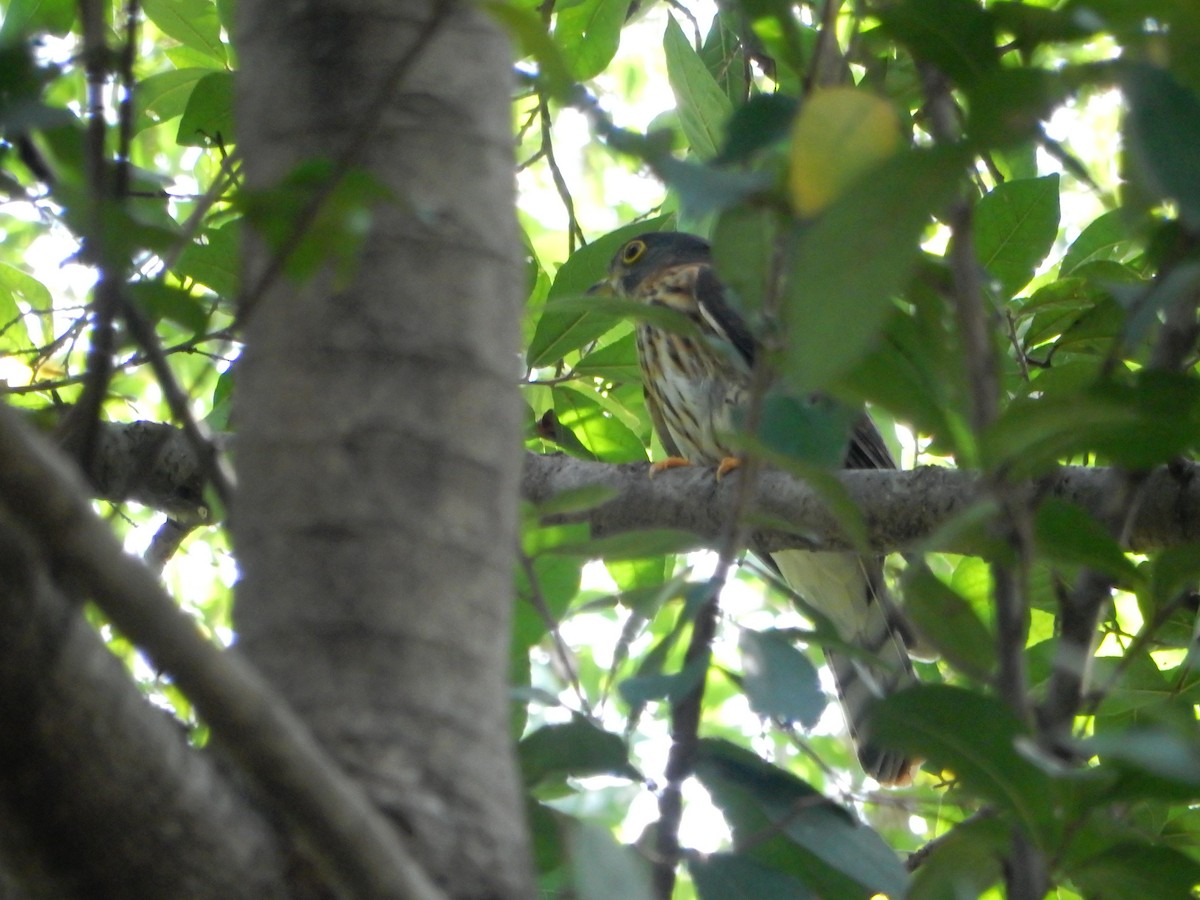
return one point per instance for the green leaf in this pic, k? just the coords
(194, 23)
(1072, 311)
(17, 287)
(743, 248)
(725, 56)
(554, 584)
(1164, 116)
(559, 331)
(703, 107)
(964, 862)
(1034, 25)
(603, 869)
(1134, 870)
(1152, 750)
(634, 545)
(843, 271)
(617, 361)
(565, 326)
(1144, 308)
(589, 34)
(225, 14)
(214, 261)
(814, 839)
(906, 374)
(1167, 406)
(650, 683)
(603, 436)
(576, 500)
(778, 679)
(1015, 227)
(840, 137)
(1135, 690)
(763, 121)
(1008, 105)
(1069, 534)
(945, 619)
(208, 115)
(706, 189)
(1099, 240)
(672, 687)
(728, 876)
(549, 852)
(25, 18)
(1138, 425)
(22, 84)
(222, 401)
(164, 96)
(530, 33)
(1175, 569)
(14, 335)
(974, 736)
(577, 749)
(163, 301)
(957, 36)
(638, 574)
(815, 431)
(537, 538)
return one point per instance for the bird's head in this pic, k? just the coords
(648, 254)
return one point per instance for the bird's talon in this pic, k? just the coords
(727, 465)
(671, 462)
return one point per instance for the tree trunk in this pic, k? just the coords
(377, 419)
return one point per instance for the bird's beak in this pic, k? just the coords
(603, 288)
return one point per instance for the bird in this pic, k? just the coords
(695, 384)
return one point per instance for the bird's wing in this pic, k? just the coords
(660, 425)
(719, 315)
(867, 449)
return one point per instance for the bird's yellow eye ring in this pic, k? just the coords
(633, 252)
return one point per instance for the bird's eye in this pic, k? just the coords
(633, 252)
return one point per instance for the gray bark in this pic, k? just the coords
(900, 509)
(377, 416)
(100, 793)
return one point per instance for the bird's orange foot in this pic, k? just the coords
(671, 462)
(727, 465)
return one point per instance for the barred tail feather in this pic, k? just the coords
(849, 590)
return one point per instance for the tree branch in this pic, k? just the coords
(100, 794)
(153, 464)
(357, 846)
(902, 509)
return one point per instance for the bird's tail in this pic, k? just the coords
(850, 591)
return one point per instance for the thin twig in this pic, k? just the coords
(125, 104)
(1083, 606)
(1025, 869)
(918, 857)
(574, 231)
(222, 181)
(81, 431)
(828, 65)
(137, 359)
(686, 712)
(560, 646)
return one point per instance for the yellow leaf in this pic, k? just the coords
(840, 134)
